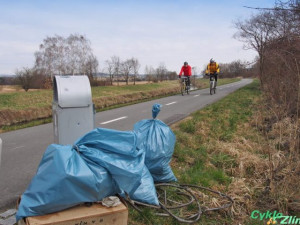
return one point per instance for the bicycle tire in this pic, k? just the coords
(211, 88)
(187, 90)
(215, 87)
(182, 89)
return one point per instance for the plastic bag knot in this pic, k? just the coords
(76, 148)
(155, 110)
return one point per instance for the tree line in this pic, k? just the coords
(73, 55)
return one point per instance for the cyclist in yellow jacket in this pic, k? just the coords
(212, 69)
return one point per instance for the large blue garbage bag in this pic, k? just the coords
(146, 192)
(117, 152)
(158, 140)
(64, 179)
(138, 183)
(101, 163)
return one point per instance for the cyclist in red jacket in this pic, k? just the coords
(186, 69)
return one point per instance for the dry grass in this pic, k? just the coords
(131, 83)
(12, 88)
(264, 177)
(103, 102)
(260, 158)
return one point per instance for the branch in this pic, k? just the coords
(273, 9)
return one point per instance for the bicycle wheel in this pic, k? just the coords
(187, 89)
(211, 88)
(182, 88)
(215, 87)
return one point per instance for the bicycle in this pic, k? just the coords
(212, 84)
(184, 87)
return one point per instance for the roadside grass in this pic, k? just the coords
(41, 98)
(25, 109)
(217, 148)
(204, 82)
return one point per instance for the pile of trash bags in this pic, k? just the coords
(102, 163)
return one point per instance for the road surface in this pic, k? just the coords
(22, 150)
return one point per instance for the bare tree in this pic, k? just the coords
(267, 26)
(110, 70)
(126, 69)
(116, 64)
(255, 33)
(91, 67)
(25, 78)
(172, 75)
(161, 72)
(149, 72)
(73, 55)
(135, 68)
(234, 69)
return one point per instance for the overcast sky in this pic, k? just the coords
(153, 31)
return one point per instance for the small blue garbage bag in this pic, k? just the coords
(158, 140)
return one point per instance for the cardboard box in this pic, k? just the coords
(82, 215)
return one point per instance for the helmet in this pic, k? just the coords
(211, 60)
(185, 63)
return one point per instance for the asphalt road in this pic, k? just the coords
(22, 150)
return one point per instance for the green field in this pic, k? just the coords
(24, 109)
(43, 98)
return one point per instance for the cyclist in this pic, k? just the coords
(186, 69)
(213, 69)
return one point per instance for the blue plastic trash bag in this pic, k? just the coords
(158, 140)
(155, 110)
(139, 182)
(116, 151)
(101, 163)
(64, 179)
(146, 192)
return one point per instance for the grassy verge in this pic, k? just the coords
(21, 110)
(204, 83)
(217, 147)
(43, 98)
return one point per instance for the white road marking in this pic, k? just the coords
(120, 118)
(196, 95)
(171, 103)
(17, 147)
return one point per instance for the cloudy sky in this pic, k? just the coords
(154, 31)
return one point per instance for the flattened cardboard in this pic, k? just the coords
(82, 215)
